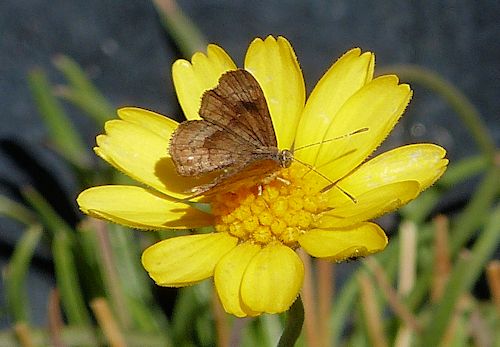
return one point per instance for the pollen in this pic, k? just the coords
(279, 210)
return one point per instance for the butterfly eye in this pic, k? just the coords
(285, 158)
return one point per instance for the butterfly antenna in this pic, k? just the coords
(362, 130)
(332, 184)
(351, 197)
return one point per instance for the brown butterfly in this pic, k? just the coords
(234, 137)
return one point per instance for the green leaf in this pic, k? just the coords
(11, 209)
(462, 278)
(82, 92)
(183, 31)
(17, 271)
(63, 135)
(72, 298)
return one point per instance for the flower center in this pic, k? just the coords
(280, 209)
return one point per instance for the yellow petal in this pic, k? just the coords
(337, 245)
(274, 65)
(423, 163)
(272, 279)
(185, 260)
(368, 205)
(228, 276)
(351, 72)
(155, 122)
(143, 155)
(140, 208)
(192, 79)
(376, 106)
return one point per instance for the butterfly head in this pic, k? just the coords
(285, 158)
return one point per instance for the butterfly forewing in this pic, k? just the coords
(238, 104)
(235, 136)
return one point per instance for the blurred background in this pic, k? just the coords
(126, 52)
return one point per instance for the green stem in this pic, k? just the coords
(471, 218)
(462, 170)
(67, 280)
(462, 278)
(183, 31)
(96, 109)
(132, 280)
(10, 208)
(15, 279)
(82, 92)
(345, 300)
(62, 133)
(342, 307)
(50, 219)
(419, 209)
(476, 210)
(455, 98)
(294, 322)
(64, 260)
(187, 308)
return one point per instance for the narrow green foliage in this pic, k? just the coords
(11, 209)
(52, 221)
(463, 277)
(477, 210)
(72, 298)
(182, 30)
(462, 170)
(63, 135)
(82, 92)
(64, 261)
(17, 272)
(464, 109)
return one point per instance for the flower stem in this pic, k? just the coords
(294, 322)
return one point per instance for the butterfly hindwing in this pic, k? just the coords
(250, 175)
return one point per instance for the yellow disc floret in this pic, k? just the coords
(278, 210)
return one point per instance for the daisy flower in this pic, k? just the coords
(322, 203)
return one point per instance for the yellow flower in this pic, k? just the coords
(252, 250)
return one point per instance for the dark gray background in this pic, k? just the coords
(126, 52)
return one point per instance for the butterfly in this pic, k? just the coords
(235, 137)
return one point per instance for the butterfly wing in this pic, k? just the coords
(235, 136)
(198, 147)
(238, 105)
(250, 175)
